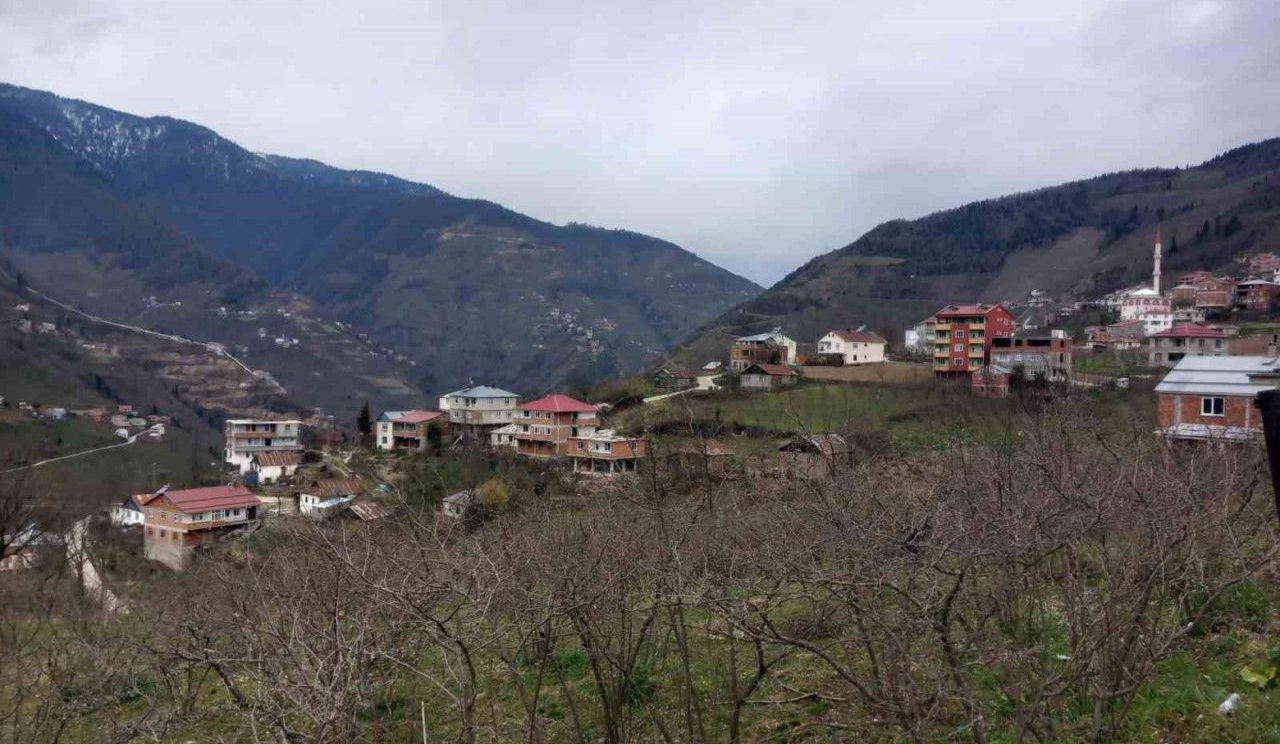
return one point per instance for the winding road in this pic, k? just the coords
(125, 443)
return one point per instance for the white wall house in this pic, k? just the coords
(855, 347)
(327, 497)
(476, 410)
(127, 513)
(1156, 322)
(247, 437)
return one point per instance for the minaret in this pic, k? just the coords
(1155, 271)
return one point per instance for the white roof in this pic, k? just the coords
(1243, 376)
(508, 429)
(481, 391)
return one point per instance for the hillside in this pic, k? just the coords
(1076, 241)
(460, 287)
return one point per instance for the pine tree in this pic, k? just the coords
(364, 423)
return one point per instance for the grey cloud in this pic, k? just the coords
(757, 135)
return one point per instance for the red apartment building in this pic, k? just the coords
(963, 333)
(545, 426)
(605, 451)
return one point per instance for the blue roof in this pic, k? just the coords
(481, 391)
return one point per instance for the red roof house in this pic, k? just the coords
(175, 523)
(1183, 340)
(544, 426)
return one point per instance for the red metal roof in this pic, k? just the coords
(558, 404)
(777, 370)
(981, 308)
(416, 417)
(213, 497)
(1189, 330)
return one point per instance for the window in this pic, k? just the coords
(959, 334)
(1211, 406)
(957, 362)
(958, 347)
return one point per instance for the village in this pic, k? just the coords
(1202, 371)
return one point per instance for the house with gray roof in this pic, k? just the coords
(477, 410)
(1212, 397)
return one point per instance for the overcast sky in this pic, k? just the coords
(756, 134)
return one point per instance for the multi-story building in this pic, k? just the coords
(247, 437)
(1211, 397)
(919, 338)
(605, 451)
(762, 348)
(854, 346)
(1214, 293)
(1141, 302)
(176, 523)
(1254, 294)
(963, 334)
(547, 424)
(475, 411)
(1184, 340)
(1040, 357)
(408, 429)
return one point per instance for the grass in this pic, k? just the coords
(24, 439)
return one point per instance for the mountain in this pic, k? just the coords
(449, 288)
(1076, 241)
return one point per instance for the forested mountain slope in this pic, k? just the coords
(461, 287)
(1077, 240)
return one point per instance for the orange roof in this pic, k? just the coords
(775, 370)
(557, 404)
(416, 417)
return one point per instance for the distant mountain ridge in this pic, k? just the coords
(1076, 240)
(464, 288)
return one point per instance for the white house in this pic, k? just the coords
(127, 513)
(455, 505)
(475, 411)
(854, 346)
(326, 497)
(1155, 322)
(247, 437)
(272, 466)
(501, 436)
(1143, 301)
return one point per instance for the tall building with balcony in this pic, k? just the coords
(176, 523)
(962, 336)
(248, 437)
(606, 451)
(546, 425)
(409, 429)
(477, 410)
(762, 348)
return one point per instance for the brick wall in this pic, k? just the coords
(1185, 409)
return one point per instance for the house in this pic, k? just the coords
(1212, 397)
(765, 348)
(475, 411)
(1183, 340)
(367, 511)
(854, 346)
(547, 424)
(1183, 295)
(1155, 322)
(119, 421)
(1188, 315)
(128, 512)
(247, 437)
(456, 505)
(502, 436)
(919, 338)
(327, 496)
(815, 455)
(54, 413)
(1130, 334)
(272, 466)
(1214, 293)
(671, 378)
(963, 334)
(992, 381)
(178, 523)
(1254, 294)
(767, 377)
(606, 451)
(409, 429)
(23, 549)
(1046, 357)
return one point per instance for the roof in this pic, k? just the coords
(1189, 330)
(415, 416)
(775, 370)
(265, 421)
(1143, 292)
(368, 510)
(995, 369)
(866, 337)
(980, 308)
(461, 498)
(277, 458)
(336, 487)
(680, 372)
(825, 444)
(1244, 376)
(481, 391)
(212, 497)
(508, 429)
(557, 403)
(769, 336)
(1254, 283)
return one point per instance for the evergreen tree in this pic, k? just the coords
(364, 422)
(1173, 245)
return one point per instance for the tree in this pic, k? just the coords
(364, 422)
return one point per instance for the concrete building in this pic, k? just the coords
(1046, 357)
(606, 451)
(475, 411)
(408, 429)
(963, 335)
(1167, 348)
(1143, 301)
(247, 437)
(547, 424)
(177, 523)
(271, 467)
(767, 377)
(762, 348)
(1211, 397)
(1254, 294)
(854, 346)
